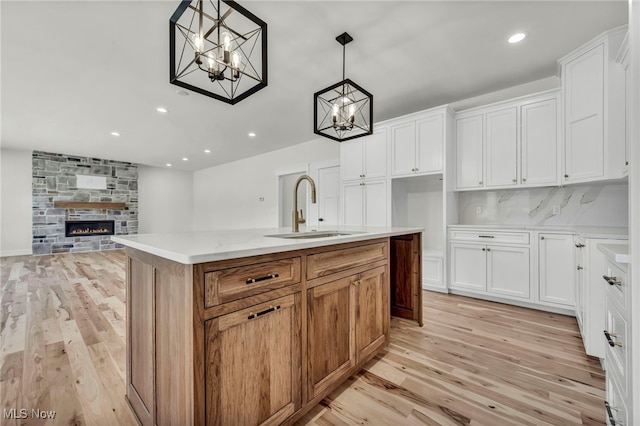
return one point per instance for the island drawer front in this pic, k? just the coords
(491, 237)
(329, 262)
(227, 285)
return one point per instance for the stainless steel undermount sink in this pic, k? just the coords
(312, 234)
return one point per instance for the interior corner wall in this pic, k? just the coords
(15, 202)
(165, 200)
(229, 196)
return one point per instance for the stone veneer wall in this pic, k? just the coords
(54, 179)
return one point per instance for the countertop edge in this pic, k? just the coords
(196, 258)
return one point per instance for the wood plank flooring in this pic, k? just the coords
(62, 326)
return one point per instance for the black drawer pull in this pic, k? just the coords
(610, 414)
(266, 277)
(261, 313)
(610, 340)
(579, 245)
(486, 236)
(612, 280)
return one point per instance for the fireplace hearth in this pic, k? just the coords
(84, 228)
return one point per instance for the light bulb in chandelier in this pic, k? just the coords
(235, 63)
(352, 114)
(198, 43)
(226, 45)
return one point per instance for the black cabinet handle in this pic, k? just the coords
(266, 311)
(610, 340)
(612, 280)
(266, 277)
(579, 245)
(612, 421)
(486, 236)
(320, 220)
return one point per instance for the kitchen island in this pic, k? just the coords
(256, 327)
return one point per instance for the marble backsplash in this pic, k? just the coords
(580, 205)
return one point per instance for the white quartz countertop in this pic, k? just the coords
(619, 253)
(208, 246)
(603, 232)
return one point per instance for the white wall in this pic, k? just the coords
(228, 196)
(165, 200)
(15, 202)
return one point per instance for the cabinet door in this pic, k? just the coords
(406, 270)
(372, 311)
(403, 149)
(375, 203)
(351, 159)
(556, 267)
(331, 333)
(584, 116)
(353, 204)
(375, 154)
(501, 155)
(252, 372)
(508, 271)
(430, 144)
(579, 282)
(539, 141)
(468, 267)
(469, 152)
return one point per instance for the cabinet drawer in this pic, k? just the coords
(491, 237)
(615, 399)
(226, 285)
(617, 285)
(617, 355)
(329, 262)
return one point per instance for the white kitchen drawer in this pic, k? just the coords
(616, 401)
(490, 237)
(617, 286)
(617, 356)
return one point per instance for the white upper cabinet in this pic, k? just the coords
(365, 203)
(365, 157)
(418, 145)
(540, 143)
(468, 152)
(594, 105)
(510, 144)
(501, 147)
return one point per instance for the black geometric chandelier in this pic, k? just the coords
(218, 49)
(344, 110)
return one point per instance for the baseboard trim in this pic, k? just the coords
(523, 304)
(9, 253)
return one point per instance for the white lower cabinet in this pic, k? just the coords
(499, 270)
(365, 203)
(508, 271)
(556, 270)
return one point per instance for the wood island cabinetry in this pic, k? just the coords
(258, 340)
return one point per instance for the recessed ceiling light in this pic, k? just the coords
(207, 151)
(114, 133)
(252, 135)
(185, 159)
(517, 37)
(182, 92)
(162, 109)
(168, 164)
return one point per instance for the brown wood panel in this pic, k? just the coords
(88, 205)
(330, 262)
(252, 359)
(372, 312)
(174, 360)
(141, 337)
(405, 262)
(226, 285)
(330, 328)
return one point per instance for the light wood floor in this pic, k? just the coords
(474, 362)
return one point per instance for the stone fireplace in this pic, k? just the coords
(78, 202)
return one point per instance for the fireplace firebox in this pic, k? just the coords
(84, 228)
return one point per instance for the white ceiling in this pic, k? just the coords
(73, 71)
